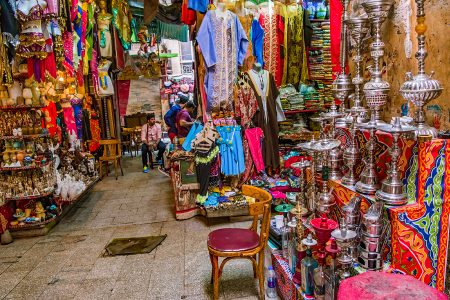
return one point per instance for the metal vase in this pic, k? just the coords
(376, 90)
(422, 88)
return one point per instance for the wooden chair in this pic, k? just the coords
(232, 243)
(126, 141)
(111, 153)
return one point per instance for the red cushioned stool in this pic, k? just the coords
(232, 243)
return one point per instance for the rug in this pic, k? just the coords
(135, 245)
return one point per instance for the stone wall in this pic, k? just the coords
(401, 45)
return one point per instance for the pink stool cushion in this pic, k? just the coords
(233, 239)
(381, 286)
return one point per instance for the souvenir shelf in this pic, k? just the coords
(23, 137)
(19, 107)
(33, 197)
(319, 59)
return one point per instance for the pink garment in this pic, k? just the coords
(254, 136)
(151, 134)
(69, 120)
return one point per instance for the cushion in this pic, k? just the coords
(233, 239)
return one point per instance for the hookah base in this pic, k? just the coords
(423, 129)
(365, 188)
(391, 199)
(349, 181)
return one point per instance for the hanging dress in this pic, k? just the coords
(223, 43)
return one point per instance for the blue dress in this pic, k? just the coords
(231, 150)
(257, 33)
(223, 43)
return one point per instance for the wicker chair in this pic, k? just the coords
(233, 243)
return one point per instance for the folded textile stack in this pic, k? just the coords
(296, 102)
(319, 64)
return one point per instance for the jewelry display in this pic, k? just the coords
(422, 88)
(392, 191)
(376, 90)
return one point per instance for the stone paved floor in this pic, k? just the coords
(68, 262)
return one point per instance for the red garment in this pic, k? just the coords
(50, 118)
(188, 16)
(254, 137)
(94, 145)
(182, 115)
(273, 61)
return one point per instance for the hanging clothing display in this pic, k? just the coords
(203, 163)
(122, 21)
(231, 152)
(257, 34)
(269, 114)
(255, 137)
(223, 43)
(188, 16)
(273, 27)
(246, 103)
(296, 70)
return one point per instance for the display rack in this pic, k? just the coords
(319, 59)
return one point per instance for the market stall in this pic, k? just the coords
(348, 188)
(57, 103)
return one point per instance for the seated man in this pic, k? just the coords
(151, 140)
(184, 121)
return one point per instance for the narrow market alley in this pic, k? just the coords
(69, 263)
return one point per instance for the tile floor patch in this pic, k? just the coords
(67, 263)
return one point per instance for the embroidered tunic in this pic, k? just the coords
(223, 43)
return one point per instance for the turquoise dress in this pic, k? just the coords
(231, 150)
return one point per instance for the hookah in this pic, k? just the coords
(344, 239)
(368, 183)
(326, 199)
(351, 154)
(373, 232)
(376, 90)
(322, 228)
(352, 217)
(358, 29)
(392, 191)
(298, 212)
(335, 155)
(422, 88)
(342, 86)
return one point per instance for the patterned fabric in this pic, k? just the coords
(246, 102)
(420, 232)
(272, 46)
(223, 43)
(296, 70)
